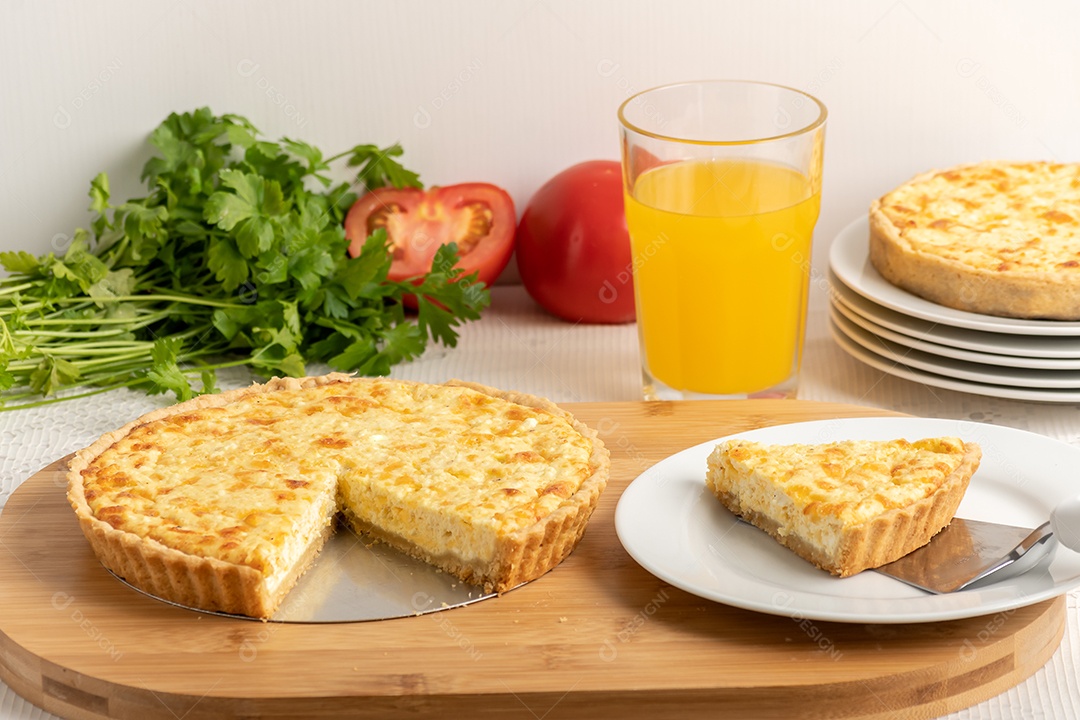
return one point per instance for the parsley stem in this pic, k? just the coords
(77, 334)
(52, 400)
(115, 357)
(15, 288)
(91, 380)
(337, 157)
(87, 322)
(216, 366)
(89, 349)
(152, 297)
(188, 299)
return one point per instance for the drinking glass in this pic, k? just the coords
(722, 182)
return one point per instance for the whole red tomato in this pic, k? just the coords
(573, 250)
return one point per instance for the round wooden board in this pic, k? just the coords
(596, 637)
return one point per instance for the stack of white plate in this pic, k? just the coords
(904, 335)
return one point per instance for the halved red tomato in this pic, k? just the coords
(479, 217)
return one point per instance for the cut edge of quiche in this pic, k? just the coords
(213, 584)
(799, 496)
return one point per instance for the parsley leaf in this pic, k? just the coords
(19, 261)
(52, 373)
(227, 264)
(165, 374)
(378, 168)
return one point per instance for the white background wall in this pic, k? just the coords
(512, 92)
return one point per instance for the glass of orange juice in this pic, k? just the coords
(722, 182)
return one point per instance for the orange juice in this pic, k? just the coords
(721, 253)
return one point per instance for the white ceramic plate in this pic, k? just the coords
(930, 379)
(975, 372)
(1031, 346)
(672, 525)
(1008, 361)
(849, 258)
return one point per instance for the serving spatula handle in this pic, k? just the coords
(1065, 521)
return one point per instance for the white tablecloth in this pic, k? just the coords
(517, 346)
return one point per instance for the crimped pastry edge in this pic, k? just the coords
(213, 584)
(882, 539)
(1048, 296)
(533, 551)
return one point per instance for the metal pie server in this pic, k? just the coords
(968, 551)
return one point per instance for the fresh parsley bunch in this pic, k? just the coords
(236, 256)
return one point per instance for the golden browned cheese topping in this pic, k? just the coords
(251, 481)
(1018, 218)
(851, 481)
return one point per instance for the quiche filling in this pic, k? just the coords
(1002, 217)
(446, 473)
(845, 506)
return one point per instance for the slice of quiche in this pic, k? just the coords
(845, 506)
(222, 502)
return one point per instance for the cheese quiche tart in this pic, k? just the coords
(223, 501)
(996, 238)
(845, 506)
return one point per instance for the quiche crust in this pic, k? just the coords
(995, 238)
(827, 513)
(227, 585)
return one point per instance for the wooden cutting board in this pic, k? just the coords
(596, 637)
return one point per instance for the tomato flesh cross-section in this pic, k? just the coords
(479, 217)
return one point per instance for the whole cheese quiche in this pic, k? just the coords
(995, 238)
(223, 501)
(845, 506)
